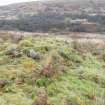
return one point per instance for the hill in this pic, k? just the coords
(54, 16)
(52, 53)
(53, 70)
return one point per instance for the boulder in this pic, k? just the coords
(33, 54)
(13, 51)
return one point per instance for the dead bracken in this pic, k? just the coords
(42, 98)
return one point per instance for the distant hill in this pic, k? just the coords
(54, 16)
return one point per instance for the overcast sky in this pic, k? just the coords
(6, 2)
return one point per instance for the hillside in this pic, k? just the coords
(54, 16)
(51, 70)
(52, 52)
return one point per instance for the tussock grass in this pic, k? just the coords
(76, 79)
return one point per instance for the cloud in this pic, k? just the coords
(6, 2)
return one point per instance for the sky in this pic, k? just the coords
(6, 2)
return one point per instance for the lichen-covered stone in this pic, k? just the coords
(33, 54)
(13, 51)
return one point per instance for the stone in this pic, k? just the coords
(13, 51)
(33, 54)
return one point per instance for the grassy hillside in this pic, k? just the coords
(71, 73)
(54, 16)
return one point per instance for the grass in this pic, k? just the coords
(75, 79)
